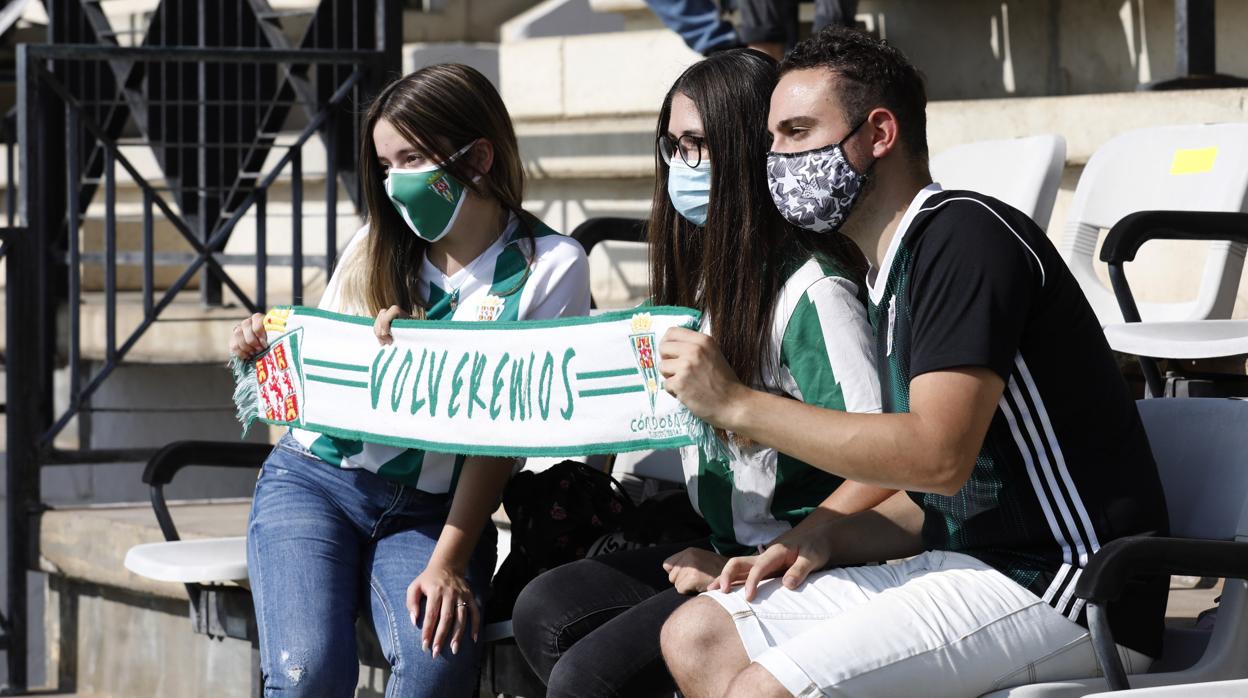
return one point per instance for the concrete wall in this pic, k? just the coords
(585, 104)
(1046, 47)
(967, 49)
(95, 633)
(461, 20)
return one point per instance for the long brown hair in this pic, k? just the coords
(733, 267)
(443, 108)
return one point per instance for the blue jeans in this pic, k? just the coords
(325, 545)
(698, 22)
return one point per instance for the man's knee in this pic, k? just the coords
(694, 631)
(756, 682)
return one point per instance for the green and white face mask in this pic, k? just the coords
(427, 197)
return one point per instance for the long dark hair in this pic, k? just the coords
(444, 108)
(734, 267)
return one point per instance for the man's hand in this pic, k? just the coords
(795, 555)
(695, 372)
(691, 569)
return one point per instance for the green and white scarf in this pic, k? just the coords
(563, 387)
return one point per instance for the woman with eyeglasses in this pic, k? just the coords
(341, 528)
(786, 308)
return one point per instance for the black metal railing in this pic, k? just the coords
(205, 255)
(227, 102)
(8, 136)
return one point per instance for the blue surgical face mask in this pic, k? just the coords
(689, 188)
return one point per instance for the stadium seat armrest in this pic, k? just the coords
(596, 230)
(1117, 562)
(166, 463)
(1129, 234)
(1109, 570)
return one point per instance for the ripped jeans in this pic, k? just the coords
(325, 545)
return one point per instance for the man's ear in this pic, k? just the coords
(884, 130)
(481, 157)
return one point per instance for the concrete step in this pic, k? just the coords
(186, 332)
(165, 238)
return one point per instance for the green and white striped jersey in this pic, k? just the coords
(500, 284)
(822, 336)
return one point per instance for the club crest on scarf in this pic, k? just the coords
(279, 382)
(642, 340)
(275, 320)
(815, 189)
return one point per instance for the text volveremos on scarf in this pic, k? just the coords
(564, 387)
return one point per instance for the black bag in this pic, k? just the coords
(664, 518)
(556, 517)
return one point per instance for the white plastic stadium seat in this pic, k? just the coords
(661, 465)
(1213, 689)
(208, 561)
(1197, 339)
(1201, 448)
(1023, 172)
(1174, 168)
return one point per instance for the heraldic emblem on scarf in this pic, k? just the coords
(643, 343)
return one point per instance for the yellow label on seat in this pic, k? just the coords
(1193, 160)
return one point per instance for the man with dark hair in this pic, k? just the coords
(1009, 431)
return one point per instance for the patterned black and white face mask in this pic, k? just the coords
(815, 189)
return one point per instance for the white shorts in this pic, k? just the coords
(939, 624)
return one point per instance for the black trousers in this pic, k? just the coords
(775, 21)
(591, 627)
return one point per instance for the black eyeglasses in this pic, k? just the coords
(689, 147)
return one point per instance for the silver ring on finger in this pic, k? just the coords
(461, 604)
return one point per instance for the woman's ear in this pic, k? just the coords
(481, 157)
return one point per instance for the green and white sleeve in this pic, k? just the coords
(827, 354)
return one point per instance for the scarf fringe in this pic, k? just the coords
(705, 438)
(246, 393)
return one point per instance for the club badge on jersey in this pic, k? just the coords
(491, 308)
